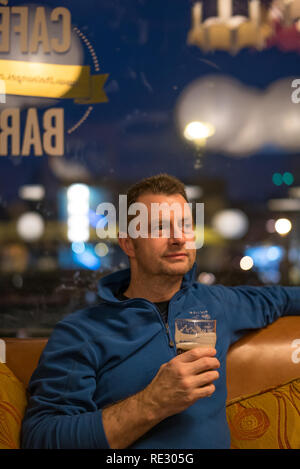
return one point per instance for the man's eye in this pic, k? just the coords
(157, 228)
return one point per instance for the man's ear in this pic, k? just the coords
(126, 244)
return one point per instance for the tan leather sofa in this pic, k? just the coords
(263, 379)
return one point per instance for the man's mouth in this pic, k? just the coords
(176, 255)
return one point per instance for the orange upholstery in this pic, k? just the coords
(260, 360)
(262, 369)
(22, 356)
(13, 402)
(263, 376)
(264, 358)
(269, 420)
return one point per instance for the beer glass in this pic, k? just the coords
(191, 333)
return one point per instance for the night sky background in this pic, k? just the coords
(142, 45)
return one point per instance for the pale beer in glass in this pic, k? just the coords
(191, 333)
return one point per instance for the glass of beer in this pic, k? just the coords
(191, 333)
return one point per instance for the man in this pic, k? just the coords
(109, 376)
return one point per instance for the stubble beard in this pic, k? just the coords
(162, 267)
(176, 268)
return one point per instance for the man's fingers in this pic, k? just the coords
(196, 353)
(205, 391)
(203, 364)
(196, 361)
(199, 359)
(204, 379)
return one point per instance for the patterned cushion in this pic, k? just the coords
(270, 420)
(12, 408)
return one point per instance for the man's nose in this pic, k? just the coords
(177, 236)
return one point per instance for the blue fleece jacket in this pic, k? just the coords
(110, 351)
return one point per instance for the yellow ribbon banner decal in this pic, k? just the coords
(53, 81)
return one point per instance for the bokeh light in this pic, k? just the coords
(78, 212)
(231, 224)
(283, 226)
(246, 263)
(198, 131)
(101, 249)
(30, 226)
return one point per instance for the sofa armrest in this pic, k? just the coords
(22, 355)
(2, 351)
(265, 358)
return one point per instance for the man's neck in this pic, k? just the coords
(155, 288)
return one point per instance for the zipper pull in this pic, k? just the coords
(171, 343)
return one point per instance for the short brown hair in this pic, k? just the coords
(158, 184)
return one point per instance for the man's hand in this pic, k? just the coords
(178, 384)
(183, 380)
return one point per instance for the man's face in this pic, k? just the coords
(165, 251)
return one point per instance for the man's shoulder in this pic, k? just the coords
(84, 318)
(203, 289)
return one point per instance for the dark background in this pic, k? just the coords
(142, 45)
